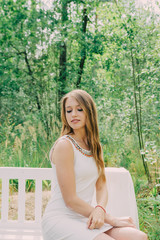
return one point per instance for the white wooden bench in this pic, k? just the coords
(121, 200)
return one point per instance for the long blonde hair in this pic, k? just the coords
(92, 132)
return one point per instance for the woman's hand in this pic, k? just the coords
(96, 219)
(123, 222)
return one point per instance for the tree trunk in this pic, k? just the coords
(138, 119)
(33, 80)
(62, 58)
(83, 51)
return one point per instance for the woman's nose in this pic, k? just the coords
(74, 112)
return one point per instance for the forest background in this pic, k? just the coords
(110, 49)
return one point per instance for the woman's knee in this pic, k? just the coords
(143, 236)
(127, 233)
(139, 235)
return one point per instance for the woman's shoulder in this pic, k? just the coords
(61, 149)
(63, 143)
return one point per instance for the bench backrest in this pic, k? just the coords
(121, 201)
(22, 174)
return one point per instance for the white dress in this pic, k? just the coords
(60, 222)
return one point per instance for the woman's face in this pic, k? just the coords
(75, 115)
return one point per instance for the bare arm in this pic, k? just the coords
(63, 156)
(98, 217)
(101, 192)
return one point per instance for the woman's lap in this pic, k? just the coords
(103, 236)
(69, 229)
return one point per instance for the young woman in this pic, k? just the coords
(78, 168)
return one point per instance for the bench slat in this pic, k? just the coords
(21, 200)
(16, 225)
(26, 173)
(38, 201)
(5, 198)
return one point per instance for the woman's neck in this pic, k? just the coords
(81, 138)
(80, 135)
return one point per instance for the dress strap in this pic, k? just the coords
(65, 136)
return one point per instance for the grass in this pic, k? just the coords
(148, 203)
(149, 212)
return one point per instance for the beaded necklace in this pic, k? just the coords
(85, 152)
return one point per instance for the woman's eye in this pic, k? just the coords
(79, 109)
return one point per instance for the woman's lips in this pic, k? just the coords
(75, 121)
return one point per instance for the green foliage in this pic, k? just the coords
(149, 217)
(30, 185)
(148, 202)
(119, 39)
